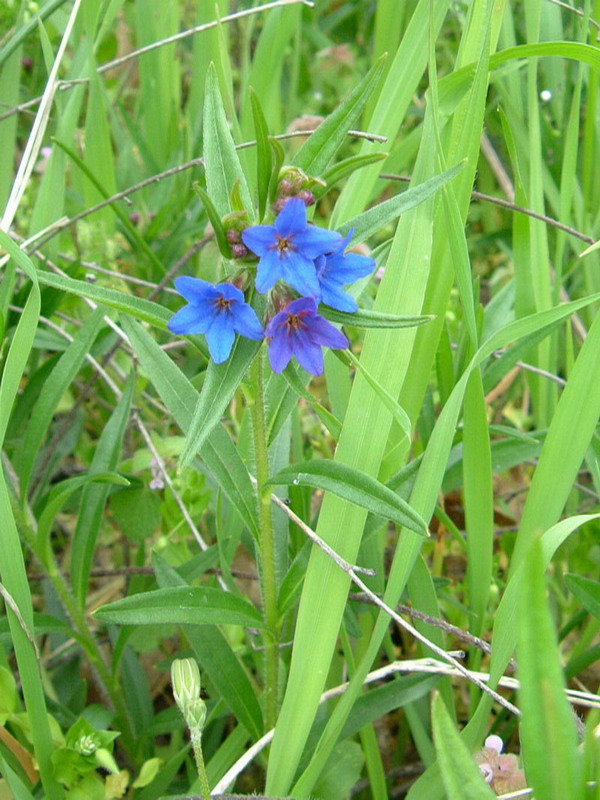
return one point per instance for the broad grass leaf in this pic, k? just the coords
(548, 736)
(353, 486)
(219, 385)
(460, 774)
(191, 605)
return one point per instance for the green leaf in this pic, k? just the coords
(376, 218)
(319, 149)
(586, 591)
(376, 703)
(328, 419)
(344, 168)
(218, 660)
(218, 451)
(264, 156)
(399, 414)
(548, 736)
(367, 318)
(136, 511)
(144, 310)
(54, 387)
(184, 605)
(219, 385)
(58, 497)
(215, 220)
(354, 486)
(460, 774)
(94, 496)
(221, 162)
(341, 772)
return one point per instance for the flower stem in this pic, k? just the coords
(199, 758)
(268, 579)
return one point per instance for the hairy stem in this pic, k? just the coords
(268, 579)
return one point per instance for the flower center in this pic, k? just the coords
(222, 303)
(283, 245)
(295, 322)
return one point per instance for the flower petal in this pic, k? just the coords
(322, 332)
(260, 238)
(220, 338)
(194, 289)
(333, 295)
(315, 241)
(291, 220)
(300, 272)
(280, 351)
(188, 320)
(246, 323)
(230, 292)
(310, 357)
(269, 271)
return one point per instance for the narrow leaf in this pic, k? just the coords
(221, 161)
(141, 309)
(354, 486)
(376, 218)
(547, 728)
(215, 221)
(460, 774)
(586, 591)
(219, 385)
(367, 318)
(189, 605)
(95, 495)
(264, 156)
(320, 148)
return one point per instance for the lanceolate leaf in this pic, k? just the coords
(586, 591)
(53, 389)
(190, 605)
(221, 161)
(319, 149)
(367, 318)
(95, 495)
(344, 168)
(376, 218)
(353, 485)
(264, 155)
(177, 393)
(137, 307)
(219, 385)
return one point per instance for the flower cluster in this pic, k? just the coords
(310, 260)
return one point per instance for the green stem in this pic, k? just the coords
(268, 579)
(197, 746)
(108, 684)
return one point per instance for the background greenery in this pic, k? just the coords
(484, 419)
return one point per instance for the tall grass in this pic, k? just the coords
(157, 505)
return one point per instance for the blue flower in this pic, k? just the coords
(299, 331)
(336, 270)
(288, 249)
(219, 312)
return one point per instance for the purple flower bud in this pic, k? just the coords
(239, 250)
